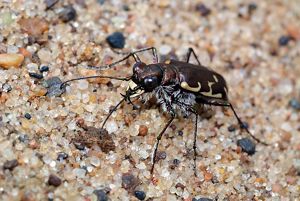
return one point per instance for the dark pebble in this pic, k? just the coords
(23, 138)
(6, 87)
(129, 182)
(116, 40)
(101, 195)
(54, 180)
(36, 75)
(247, 145)
(252, 7)
(176, 162)
(68, 14)
(202, 199)
(10, 165)
(180, 133)
(44, 69)
(141, 195)
(294, 103)
(62, 156)
(244, 125)
(161, 155)
(284, 40)
(52, 81)
(54, 87)
(101, 2)
(27, 116)
(50, 3)
(231, 128)
(204, 11)
(79, 146)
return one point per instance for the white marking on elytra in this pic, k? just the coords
(210, 93)
(215, 78)
(186, 86)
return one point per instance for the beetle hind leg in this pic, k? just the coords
(194, 145)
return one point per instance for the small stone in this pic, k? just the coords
(116, 40)
(180, 133)
(52, 82)
(141, 195)
(10, 165)
(160, 155)
(36, 75)
(11, 60)
(252, 7)
(101, 195)
(44, 69)
(23, 138)
(202, 199)
(68, 14)
(143, 130)
(27, 116)
(50, 3)
(129, 182)
(284, 40)
(34, 26)
(6, 87)
(231, 128)
(79, 146)
(247, 145)
(54, 180)
(294, 103)
(244, 125)
(204, 11)
(54, 87)
(62, 156)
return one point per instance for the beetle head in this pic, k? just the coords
(147, 76)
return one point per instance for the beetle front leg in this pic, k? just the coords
(158, 138)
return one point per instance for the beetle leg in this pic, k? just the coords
(158, 138)
(190, 51)
(194, 146)
(131, 54)
(237, 117)
(111, 111)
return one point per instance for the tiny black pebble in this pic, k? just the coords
(116, 40)
(204, 11)
(244, 125)
(23, 138)
(10, 165)
(294, 103)
(68, 14)
(202, 199)
(176, 162)
(44, 69)
(252, 7)
(247, 145)
(62, 156)
(101, 195)
(36, 75)
(231, 128)
(284, 40)
(27, 116)
(180, 133)
(141, 195)
(79, 146)
(54, 180)
(6, 87)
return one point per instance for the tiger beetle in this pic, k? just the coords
(179, 87)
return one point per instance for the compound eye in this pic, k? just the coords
(150, 83)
